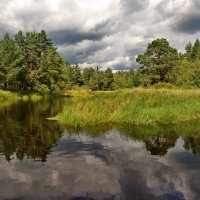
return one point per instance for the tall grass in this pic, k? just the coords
(6, 95)
(136, 106)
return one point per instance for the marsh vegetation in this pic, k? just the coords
(134, 106)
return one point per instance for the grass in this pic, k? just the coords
(7, 97)
(132, 106)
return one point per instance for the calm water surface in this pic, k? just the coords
(41, 160)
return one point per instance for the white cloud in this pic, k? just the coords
(106, 32)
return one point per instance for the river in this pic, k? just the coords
(40, 159)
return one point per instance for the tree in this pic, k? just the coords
(11, 63)
(88, 74)
(96, 82)
(195, 54)
(158, 60)
(108, 79)
(34, 46)
(76, 75)
(188, 51)
(51, 74)
(187, 74)
(134, 78)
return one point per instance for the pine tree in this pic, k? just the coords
(11, 63)
(158, 60)
(188, 51)
(76, 76)
(52, 74)
(88, 73)
(196, 50)
(108, 79)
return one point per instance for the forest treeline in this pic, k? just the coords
(30, 63)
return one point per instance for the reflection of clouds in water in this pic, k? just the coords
(170, 174)
(102, 168)
(165, 178)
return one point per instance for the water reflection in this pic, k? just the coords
(159, 139)
(102, 162)
(24, 129)
(192, 142)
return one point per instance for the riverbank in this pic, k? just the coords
(12, 96)
(132, 106)
(6, 95)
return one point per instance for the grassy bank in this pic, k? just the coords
(6, 96)
(136, 106)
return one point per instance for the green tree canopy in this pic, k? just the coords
(158, 60)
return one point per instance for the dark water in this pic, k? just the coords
(41, 160)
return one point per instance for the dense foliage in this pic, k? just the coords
(163, 66)
(30, 63)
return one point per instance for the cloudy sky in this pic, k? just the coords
(104, 32)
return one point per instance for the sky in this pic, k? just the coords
(104, 33)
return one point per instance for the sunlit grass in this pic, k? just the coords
(133, 106)
(7, 97)
(32, 97)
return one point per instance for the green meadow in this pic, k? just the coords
(131, 106)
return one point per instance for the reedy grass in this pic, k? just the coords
(132, 106)
(7, 97)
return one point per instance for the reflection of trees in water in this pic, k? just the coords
(158, 139)
(92, 131)
(160, 144)
(192, 143)
(26, 132)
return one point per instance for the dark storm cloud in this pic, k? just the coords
(74, 36)
(80, 55)
(120, 67)
(105, 26)
(189, 24)
(187, 21)
(130, 54)
(132, 6)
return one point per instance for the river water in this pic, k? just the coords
(40, 159)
